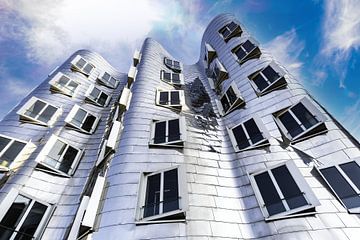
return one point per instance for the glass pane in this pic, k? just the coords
(35, 109)
(226, 32)
(102, 99)
(171, 191)
(11, 153)
(112, 81)
(232, 26)
(152, 198)
(231, 95)
(55, 153)
(175, 77)
(260, 82)
(253, 131)
(160, 132)
(240, 53)
(81, 63)
(68, 159)
(269, 194)
(305, 117)
(168, 62)
(352, 170)
(164, 98)
(106, 76)
(290, 124)
(240, 137)
(72, 86)
(174, 130)
(95, 93)
(89, 123)
(225, 103)
(88, 68)
(79, 117)
(289, 188)
(175, 98)
(63, 81)
(167, 76)
(47, 114)
(31, 222)
(13, 217)
(341, 187)
(248, 46)
(3, 142)
(270, 74)
(176, 64)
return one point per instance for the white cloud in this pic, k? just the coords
(286, 48)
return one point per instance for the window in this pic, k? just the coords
(282, 191)
(81, 119)
(63, 84)
(10, 149)
(173, 64)
(210, 54)
(38, 111)
(301, 121)
(246, 51)
(136, 58)
(81, 65)
(218, 74)
(97, 96)
(59, 156)
(108, 80)
(172, 78)
(172, 98)
(249, 134)
(230, 30)
(170, 133)
(230, 100)
(344, 181)
(23, 217)
(163, 195)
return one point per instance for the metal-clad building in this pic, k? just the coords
(232, 147)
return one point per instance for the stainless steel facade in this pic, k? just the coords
(217, 198)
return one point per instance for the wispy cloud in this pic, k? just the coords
(351, 118)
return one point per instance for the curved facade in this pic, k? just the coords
(232, 147)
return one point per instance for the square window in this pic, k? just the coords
(230, 30)
(230, 100)
(172, 98)
(171, 133)
(97, 96)
(175, 79)
(173, 64)
(63, 84)
(246, 51)
(108, 80)
(82, 120)
(81, 65)
(10, 149)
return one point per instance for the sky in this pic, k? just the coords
(317, 41)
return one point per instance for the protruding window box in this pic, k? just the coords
(107, 80)
(136, 58)
(82, 120)
(268, 79)
(301, 121)
(125, 98)
(97, 96)
(218, 74)
(75, 228)
(210, 54)
(175, 79)
(81, 65)
(114, 135)
(230, 30)
(246, 51)
(230, 100)
(174, 65)
(39, 112)
(168, 133)
(282, 192)
(131, 75)
(171, 98)
(61, 83)
(249, 135)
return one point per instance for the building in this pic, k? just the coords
(232, 147)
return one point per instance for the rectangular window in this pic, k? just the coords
(63, 84)
(97, 96)
(172, 78)
(173, 64)
(230, 30)
(300, 121)
(218, 74)
(38, 111)
(108, 80)
(230, 100)
(81, 65)
(172, 98)
(81, 119)
(249, 134)
(10, 149)
(170, 133)
(246, 51)
(344, 180)
(282, 192)
(210, 54)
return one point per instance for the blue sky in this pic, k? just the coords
(318, 41)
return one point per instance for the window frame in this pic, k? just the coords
(171, 82)
(88, 96)
(321, 118)
(24, 150)
(29, 119)
(217, 79)
(249, 55)
(210, 54)
(171, 66)
(260, 125)
(106, 83)
(176, 106)
(237, 32)
(301, 183)
(75, 67)
(72, 114)
(238, 102)
(57, 88)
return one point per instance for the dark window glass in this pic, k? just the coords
(270, 74)
(160, 132)
(174, 130)
(352, 170)
(88, 68)
(290, 124)
(88, 123)
(175, 98)
(260, 82)
(248, 46)
(231, 95)
(225, 103)
(72, 86)
(81, 63)
(11, 153)
(102, 99)
(225, 32)
(167, 76)
(341, 187)
(240, 137)
(240, 53)
(289, 188)
(164, 98)
(68, 159)
(79, 117)
(46, 115)
(232, 26)
(35, 109)
(169, 62)
(63, 80)
(171, 192)
(55, 153)
(152, 198)
(176, 77)
(253, 131)
(3, 142)
(95, 93)
(305, 117)
(176, 64)
(269, 194)
(112, 81)
(106, 76)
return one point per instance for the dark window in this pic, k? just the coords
(171, 192)
(88, 68)
(260, 82)
(240, 53)
(35, 109)
(3, 142)
(152, 198)
(68, 159)
(253, 131)
(290, 124)
(164, 98)
(270, 74)
(176, 78)
(46, 115)
(32, 221)
(102, 99)
(167, 76)
(160, 132)
(175, 98)
(240, 137)
(7, 157)
(248, 46)
(174, 130)
(352, 170)
(225, 103)
(89, 123)
(304, 115)
(231, 95)
(81, 63)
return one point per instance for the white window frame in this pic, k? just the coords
(300, 182)
(236, 32)
(106, 83)
(262, 128)
(246, 57)
(313, 110)
(136, 58)
(183, 201)
(56, 87)
(89, 97)
(7, 203)
(171, 66)
(281, 81)
(46, 150)
(30, 103)
(72, 114)
(182, 127)
(171, 82)
(223, 73)
(239, 101)
(345, 176)
(177, 106)
(81, 69)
